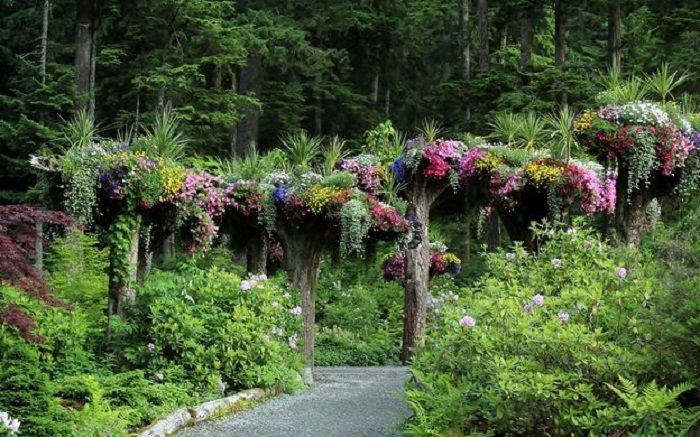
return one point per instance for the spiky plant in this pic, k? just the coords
(664, 81)
(302, 150)
(333, 154)
(80, 130)
(505, 127)
(391, 191)
(164, 136)
(559, 130)
(532, 131)
(431, 129)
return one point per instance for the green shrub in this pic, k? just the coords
(202, 327)
(536, 346)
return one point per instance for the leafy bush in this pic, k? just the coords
(359, 317)
(538, 344)
(216, 330)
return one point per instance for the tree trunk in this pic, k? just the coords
(39, 246)
(614, 35)
(121, 292)
(387, 102)
(44, 39)
(256, 254)
(465, 45)
(493, 231)
(504, 42)
(374, 94)
(234, 129)
(483, 13)
(560, 43)
(84, 51)
(303, 259)
(168, 248)
(250, 83)
(145, 256)
(526, 23)
(318, 109)
(630, 210)
(417, 273)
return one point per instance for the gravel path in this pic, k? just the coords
(344, 402)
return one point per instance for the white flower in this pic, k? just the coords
(296, 311)
(12, 425)
(286, 295)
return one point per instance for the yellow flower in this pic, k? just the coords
(318, 196)
(172, 177)
(488, 163)
(451, 258)
(542, 173)
(585, 122)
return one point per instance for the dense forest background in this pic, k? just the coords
(244, 72)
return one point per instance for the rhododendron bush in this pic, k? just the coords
(441, 262)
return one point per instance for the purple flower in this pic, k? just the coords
(467, 321)
(563, 316)
(457, 269)
(292, 341)
(556, 262)
(151, 347)
(247, 284)
(281, 195)
(398, 168)
(538, 300)
(510, 256)
(622, 273)
(529, 308)
(296, 311)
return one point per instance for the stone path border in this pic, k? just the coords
(185, 417)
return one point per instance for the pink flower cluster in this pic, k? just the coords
(672, 148)
(368, 178)
(583, 185)
(245, 198)
(205, 190)
(503, 187)
(467, 162)
(439, 156)
(387, 219)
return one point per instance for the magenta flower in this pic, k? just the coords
(622, 273)
(467, 321)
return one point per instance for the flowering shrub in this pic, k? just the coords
(642, 134)
(571, 185)
(441, 263)
(215, 327)
(437, 160)
(367, 169)
(546, 337)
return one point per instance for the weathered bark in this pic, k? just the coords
(504, 42)
(39, 246)
(526, 24)
(168, 247)
(256, 254)
(387, 102)
(374, 95)
(234, 129)
(145, 255)
(483, 14)
(630, 210)
(44, 39)
(465, 47)
(86, 21)
(493, 231)
(417, 274)
(560, 43)
(614, 34)
(250, 83)
(121, 292)
(303, 250)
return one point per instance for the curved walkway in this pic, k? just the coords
(344, 402)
